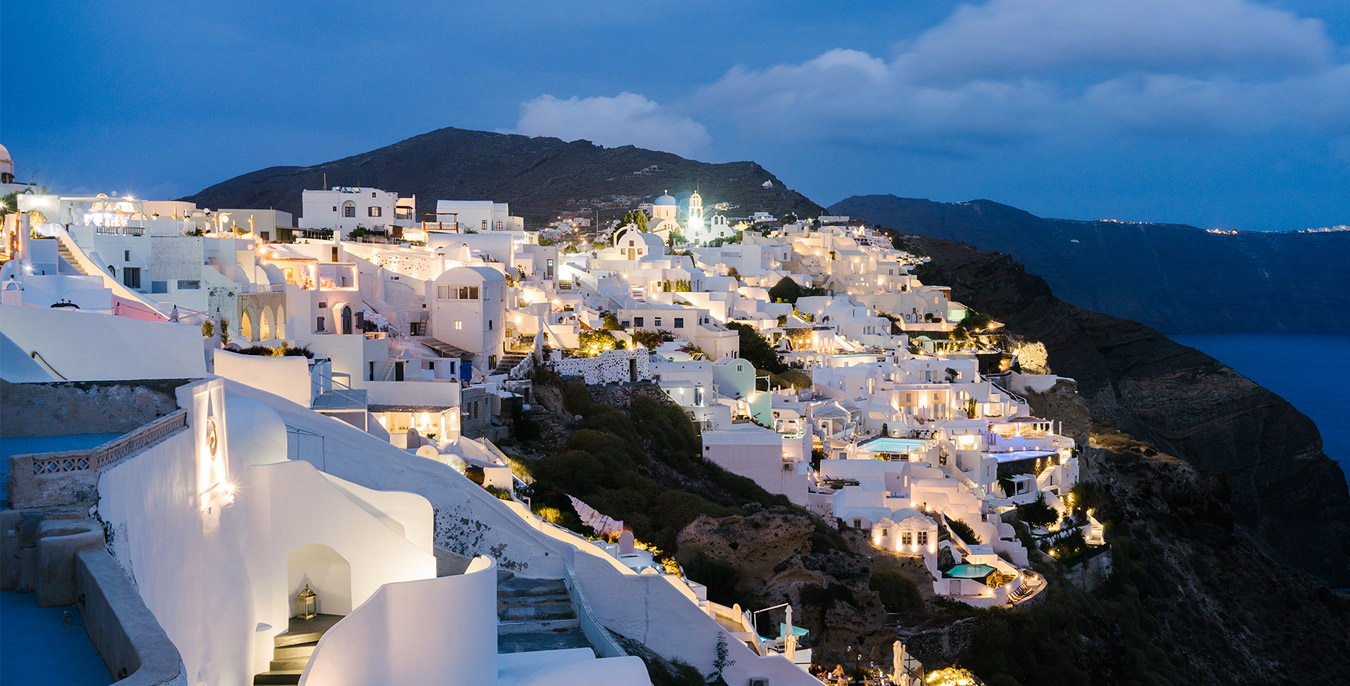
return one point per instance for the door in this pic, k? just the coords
(346, 320)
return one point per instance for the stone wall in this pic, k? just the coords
(130, 640)
(611, 366)
(69, 407)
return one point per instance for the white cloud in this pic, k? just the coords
(1007, 38)
(625, 119)
(1014, 70)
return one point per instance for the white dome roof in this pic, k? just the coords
(666, 199)
(6, 163)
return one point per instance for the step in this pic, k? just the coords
(300, 651)
(305, 630)
(541, 626)
(553, 611)
(283, 676)
(529, 643)
(533, 600)
(288, 665)
(520, 587)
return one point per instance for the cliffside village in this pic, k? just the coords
(256, 448)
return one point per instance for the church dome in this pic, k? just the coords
(664, 200)
(6, 163)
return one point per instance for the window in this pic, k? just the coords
(679, 322)
(906, 538)
(485, 225)
(126, 255)
(189, 285)
(131, 277)
(630, 242)
(637, 322)
(374, 210)
(319, 325)
(658, 321)
(349, 209)
(923, 537)
(335, 208)
(489, 325)
(459, 325)
(442, 292)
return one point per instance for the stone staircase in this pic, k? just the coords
(535, 615)
(508, 361)
(63, 249)
(291, 650)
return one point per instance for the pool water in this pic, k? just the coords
(24, 445)
(887, 444)
(969, 571)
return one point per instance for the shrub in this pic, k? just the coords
(501, 493)
(1037, 513)
(756, 349)
(963, 530)
(898, 592)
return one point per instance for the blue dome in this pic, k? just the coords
(665, 200)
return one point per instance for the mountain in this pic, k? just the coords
(1171, 277)
(1286, 496)
(539, 177)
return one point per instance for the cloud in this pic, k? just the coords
(1007, 38)
(625, 119)
(1016, 70)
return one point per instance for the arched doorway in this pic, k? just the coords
(328, 574)
(246, 326)
(265, 325)
(281, 321)
(346, 319)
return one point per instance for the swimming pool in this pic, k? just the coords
(23, 445)
(889, 444)
(969, 571)
(1015, 455)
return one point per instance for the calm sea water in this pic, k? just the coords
(1308, 370)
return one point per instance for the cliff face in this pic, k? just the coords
(1172, 277)
(538, 176)
(1287, 497)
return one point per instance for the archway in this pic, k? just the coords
(246, 326)
(346, 319)
(328, 574)
(265, 325)
(281, 321)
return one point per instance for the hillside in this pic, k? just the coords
(1171, 277)
(538, 176)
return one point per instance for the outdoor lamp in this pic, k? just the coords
(306, 604)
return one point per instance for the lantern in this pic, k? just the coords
(306, 604)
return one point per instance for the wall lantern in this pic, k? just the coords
(306, 604)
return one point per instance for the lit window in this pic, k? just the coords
(374, 210)
(459, 325)
(906, 538)
(923, 538)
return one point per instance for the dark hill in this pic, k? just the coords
(538, 176)
(1171, 277)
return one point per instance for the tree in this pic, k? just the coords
(756, 349)
(637, 218)
(1037, 513)
(786, 290)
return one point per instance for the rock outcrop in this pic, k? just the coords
(1288, 498)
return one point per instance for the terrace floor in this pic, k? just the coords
(37, 646)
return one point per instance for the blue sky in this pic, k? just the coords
(1219, 113)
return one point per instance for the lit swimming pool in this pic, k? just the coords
(23, 445)
(969, 571)
(889, 444)
(1016, 455)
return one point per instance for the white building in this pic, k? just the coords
(345, 208)
(479, 215)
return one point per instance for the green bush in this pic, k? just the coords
(1037, 513)
(898, 592)
(963, 530)
(756, 349)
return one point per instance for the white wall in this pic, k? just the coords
(287, 377)
(440, 630)
(222, 592)
(87, 345)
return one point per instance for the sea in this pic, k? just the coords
(1308, 370)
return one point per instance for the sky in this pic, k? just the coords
(1219, 113)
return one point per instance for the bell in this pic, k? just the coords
(306, 604)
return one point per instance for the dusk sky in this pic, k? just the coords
(1218, 113)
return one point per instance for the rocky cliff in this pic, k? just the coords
(1175, 278)
(1287, 497)
(539, 177)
